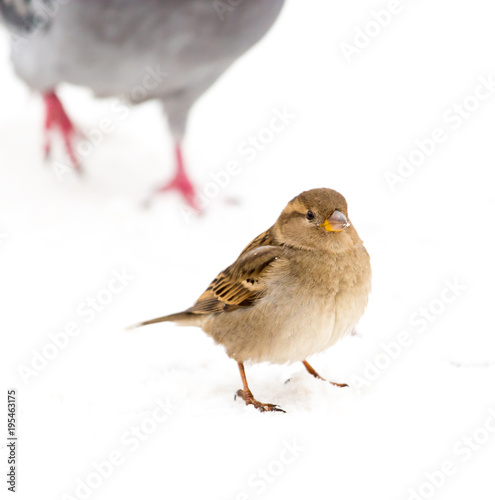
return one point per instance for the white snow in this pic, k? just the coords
(60, 242)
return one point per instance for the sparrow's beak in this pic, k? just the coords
(336, 222)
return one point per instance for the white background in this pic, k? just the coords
(61, 240)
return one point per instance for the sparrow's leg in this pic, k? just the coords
(248, 397)
(316, 375)
(181, 182)
(56, 119)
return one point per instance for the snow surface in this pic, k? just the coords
(61, 240)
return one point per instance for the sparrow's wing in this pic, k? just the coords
(265, 239)
(241, 283)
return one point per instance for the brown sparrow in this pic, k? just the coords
(295, 290)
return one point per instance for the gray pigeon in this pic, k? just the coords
(171, 50)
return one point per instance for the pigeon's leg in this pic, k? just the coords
(181, 181)
(56, 119)
(248, 397)
(316, 375)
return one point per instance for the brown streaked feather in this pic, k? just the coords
(264, 239)
(241, 283)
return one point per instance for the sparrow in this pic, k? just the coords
(294, 291)
(170, 50)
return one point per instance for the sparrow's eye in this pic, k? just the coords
(310, 215)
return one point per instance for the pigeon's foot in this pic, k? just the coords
(56, 120)
(315, 374)
(249, 400)
(182, 183)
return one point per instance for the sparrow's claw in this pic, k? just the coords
(338, 385)
(315, 374)
(249, 400)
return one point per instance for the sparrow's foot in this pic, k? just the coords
(57, 121)
(249, 400)
(337, 384)
(248, 397)
(315, 374)
(181, 182)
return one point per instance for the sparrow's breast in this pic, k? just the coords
(306, 309)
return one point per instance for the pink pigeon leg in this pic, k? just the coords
(56, 119)
(181, 181)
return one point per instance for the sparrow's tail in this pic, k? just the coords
(182, 318)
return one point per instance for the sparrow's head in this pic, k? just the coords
(317, 219)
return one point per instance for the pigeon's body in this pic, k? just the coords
(110, 46)
(171, 50)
